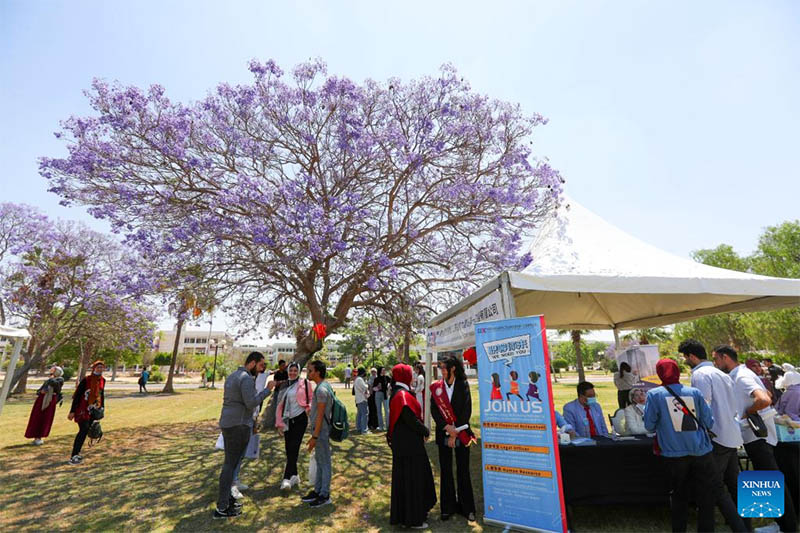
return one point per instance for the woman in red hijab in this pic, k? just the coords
(89, 396)
(413, 491)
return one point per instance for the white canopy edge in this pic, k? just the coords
(15, 333)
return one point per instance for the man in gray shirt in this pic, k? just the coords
(320, 424)
(236, 422)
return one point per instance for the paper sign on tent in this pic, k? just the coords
(507, 349)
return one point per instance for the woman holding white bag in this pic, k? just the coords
(291, 419)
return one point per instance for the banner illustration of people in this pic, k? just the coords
(521, 468)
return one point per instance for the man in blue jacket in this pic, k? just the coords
(681, 431)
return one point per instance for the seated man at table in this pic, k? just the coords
(585, 413)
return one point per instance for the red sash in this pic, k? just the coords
(442, 402)
(402, 398)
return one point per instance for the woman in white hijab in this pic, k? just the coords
(634, 413)
(44, 408)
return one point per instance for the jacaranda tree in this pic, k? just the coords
(64, 283)
(317, 190)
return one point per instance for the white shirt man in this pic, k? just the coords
(745, 382)
(717, 389)
(361, 389)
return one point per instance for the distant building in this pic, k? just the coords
(192, 342)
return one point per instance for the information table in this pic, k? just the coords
(613, 472)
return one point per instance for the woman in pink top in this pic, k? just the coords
(291, 419)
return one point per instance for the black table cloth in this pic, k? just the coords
(612, 472)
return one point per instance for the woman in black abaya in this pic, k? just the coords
(372, 417)
(413, 491)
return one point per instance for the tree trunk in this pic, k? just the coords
(305, 349)
(21, 374)
(576, 343)
(83, 365)
(22, 384)
(168, 388)
(113, 371)
(407, 346)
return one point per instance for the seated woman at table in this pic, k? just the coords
(634, 413)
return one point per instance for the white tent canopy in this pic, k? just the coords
(588, 274)
(19, 335)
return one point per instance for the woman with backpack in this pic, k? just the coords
(87, 403)
(291, 419)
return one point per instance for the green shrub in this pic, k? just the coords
(559, 365)
(69, 373)
(338, 372)
(157, 376)
(162, 359)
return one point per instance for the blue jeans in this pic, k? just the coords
(380, 405)
(362, 416)
(322, 456)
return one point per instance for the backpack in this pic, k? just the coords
(340, 427)
(95, 433)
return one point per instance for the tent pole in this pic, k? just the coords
(509, 307)
(426, 394)
(616, 340)
(12, 365)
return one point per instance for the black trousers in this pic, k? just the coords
(464, 503)
(293, 438)
(685, 473)
(762, 456)
(726, 463)
(623, 400)
(80, 438)
(236, 439)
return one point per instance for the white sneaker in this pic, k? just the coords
(286, 484)
(242, 486)
(295, 480)
(38, 442)
(235, 493)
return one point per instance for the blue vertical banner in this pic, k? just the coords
(519, 441)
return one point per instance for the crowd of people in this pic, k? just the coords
(729, 405)
(303, 407)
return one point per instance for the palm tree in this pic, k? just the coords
(649, 335)
(576, 344)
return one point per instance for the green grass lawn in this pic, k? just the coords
(156, 469)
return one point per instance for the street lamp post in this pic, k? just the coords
(214, 371)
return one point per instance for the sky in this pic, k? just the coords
(676, 122)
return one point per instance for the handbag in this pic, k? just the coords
(689, 412)
(757, 424)
(312, 469)
(253, 447)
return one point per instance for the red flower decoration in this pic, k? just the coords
(319, 331)
(470, 355)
